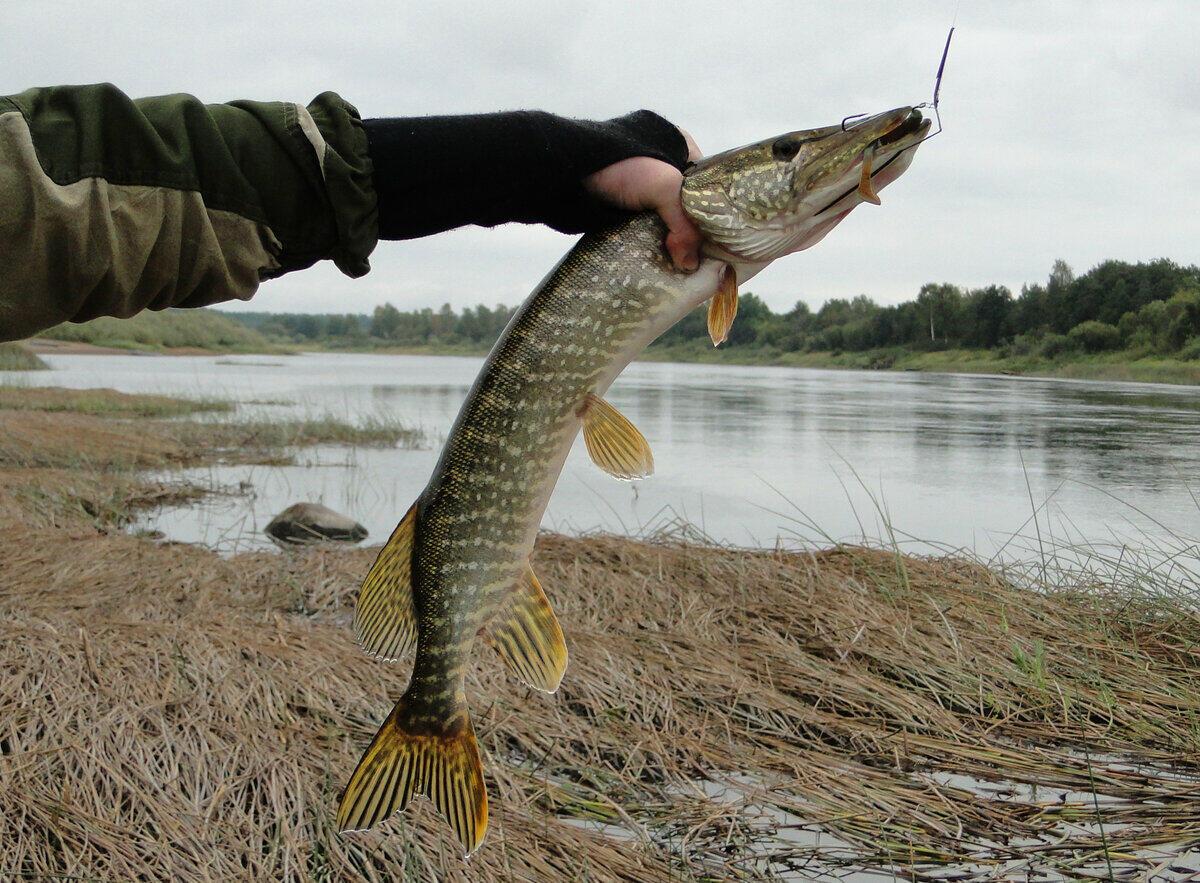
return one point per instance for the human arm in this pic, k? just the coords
(110, 205)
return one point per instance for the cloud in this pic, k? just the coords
(1070, 127)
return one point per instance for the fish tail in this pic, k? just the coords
(409, 756)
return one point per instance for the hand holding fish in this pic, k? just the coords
(642, 182)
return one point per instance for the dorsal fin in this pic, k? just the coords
(384, 619)
(528, 637)
(614, 443)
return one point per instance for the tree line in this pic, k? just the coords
(1149, 307)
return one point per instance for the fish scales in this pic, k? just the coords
(479, 516)
(457, 564)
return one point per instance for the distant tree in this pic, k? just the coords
(1061, 274)
(1029, 313)
(941, 307)
(988, 310)
(385, 322)
(1151, 306)
(1057, 300)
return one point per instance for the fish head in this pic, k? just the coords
(760, 202)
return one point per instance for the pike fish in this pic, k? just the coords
(457, 565)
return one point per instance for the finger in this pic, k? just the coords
(683, 236)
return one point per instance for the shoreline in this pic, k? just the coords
(48, 346)
(1107, 368)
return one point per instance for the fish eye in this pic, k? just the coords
(785, 149)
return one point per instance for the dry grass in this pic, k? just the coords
(169, 714)
(239, 439)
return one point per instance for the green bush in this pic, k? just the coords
(1023, 345)
(1190, 351)
(1129, 327)
(1183, 323)
(1095, 337)
(1056, 345)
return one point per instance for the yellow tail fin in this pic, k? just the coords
(399, 762)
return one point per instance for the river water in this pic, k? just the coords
(747, 455)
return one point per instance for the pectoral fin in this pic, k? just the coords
(384, 622)
(866, 188)
(722, 309)
(614, 443)
(528, 637)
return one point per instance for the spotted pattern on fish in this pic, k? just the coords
(476, 522)
(460, 557)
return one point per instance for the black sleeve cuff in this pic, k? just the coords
(436, 173)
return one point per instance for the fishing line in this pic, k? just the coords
(932, 105)
(937, 86)
(937, 92)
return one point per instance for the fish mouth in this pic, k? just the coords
(910, 125)
(905, 134)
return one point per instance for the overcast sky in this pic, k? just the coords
(1071, 129)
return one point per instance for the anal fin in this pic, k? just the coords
(384, 620)
(615, 445)
(528, 637)
(722, 309)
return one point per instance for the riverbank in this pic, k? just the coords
(1116, 367)
(177, 332)
(1078, 366)
(721, 706)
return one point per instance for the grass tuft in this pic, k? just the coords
(14, 357)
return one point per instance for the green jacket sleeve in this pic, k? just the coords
(109, 206)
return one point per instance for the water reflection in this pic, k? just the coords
(748, 453)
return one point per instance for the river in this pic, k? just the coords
(750, 456)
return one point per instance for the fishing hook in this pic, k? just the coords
(853, 116)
